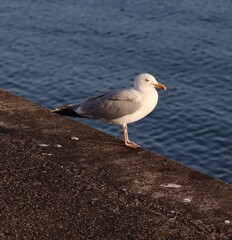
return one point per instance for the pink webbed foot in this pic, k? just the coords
(132, 144)
(127, 142)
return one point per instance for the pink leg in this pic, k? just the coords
(127, 142)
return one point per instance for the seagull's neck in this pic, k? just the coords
(146, 90)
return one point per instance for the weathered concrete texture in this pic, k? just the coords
(94, 187)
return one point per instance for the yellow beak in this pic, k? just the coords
(159, 85)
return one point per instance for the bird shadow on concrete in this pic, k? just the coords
(4, 130)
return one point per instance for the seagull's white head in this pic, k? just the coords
(145, 80)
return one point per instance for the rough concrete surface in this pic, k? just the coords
(95, 187)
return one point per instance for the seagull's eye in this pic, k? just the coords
(147, 80)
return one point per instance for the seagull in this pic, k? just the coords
(119, 107)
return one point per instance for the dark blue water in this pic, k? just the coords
(57, 52)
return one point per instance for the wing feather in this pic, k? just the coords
(109, 106)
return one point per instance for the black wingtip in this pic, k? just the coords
(65, 111)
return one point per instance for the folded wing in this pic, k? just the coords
(109, 106)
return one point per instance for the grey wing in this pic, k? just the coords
(109, 106)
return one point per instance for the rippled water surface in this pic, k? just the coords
(57, 52)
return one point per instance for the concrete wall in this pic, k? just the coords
(56, 187)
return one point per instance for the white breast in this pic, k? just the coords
(149, 100)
